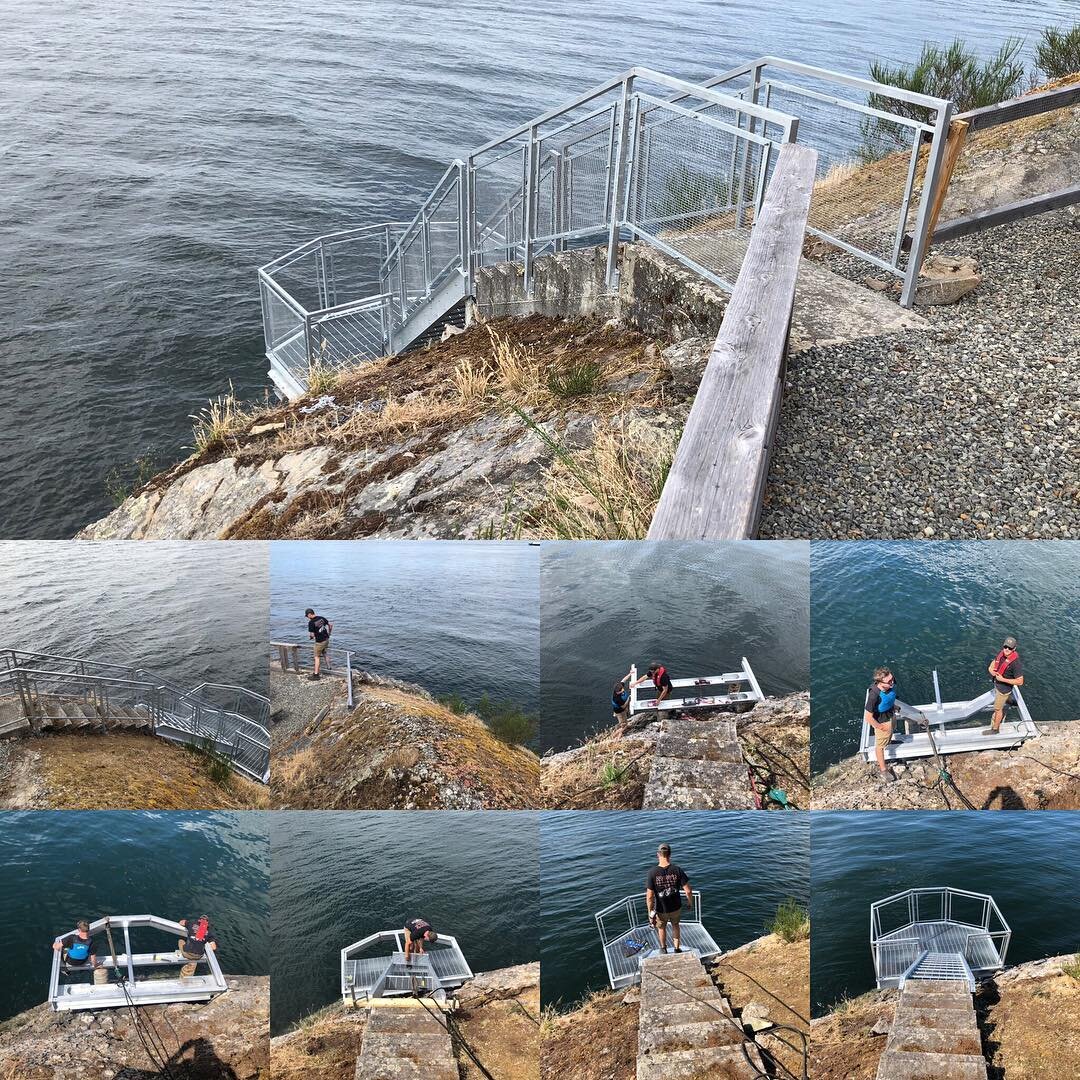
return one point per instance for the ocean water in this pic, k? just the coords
(917, 606)
(192, 612)
(455, 617)
(743, 864)
(56, 868)
(153, 155)
(1025, 861)
(699, 607)
(340, 876)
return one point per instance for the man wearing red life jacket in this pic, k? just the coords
(660, 678)
(1007, 671)
(200, 937)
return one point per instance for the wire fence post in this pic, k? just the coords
(532, 172)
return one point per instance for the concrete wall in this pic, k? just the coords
(655, 294)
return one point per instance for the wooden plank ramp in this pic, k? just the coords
(685, 1029)
(406, 1043)
(717, 480)
(934, 1034)
(698, 764)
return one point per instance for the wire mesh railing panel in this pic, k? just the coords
(344, 339)
(695, 188)
(498, 186)
(444, 233)
(869, 175)
(281, 320)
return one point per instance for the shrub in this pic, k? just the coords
(1058, 52)
(791, 921)
(612, 774)
(1072, 968)
(455, 703)
(506, 721)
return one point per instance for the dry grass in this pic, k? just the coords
(222, 418)
(610, 490)
(598, 1040)
(323, 1046)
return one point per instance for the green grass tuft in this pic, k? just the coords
(791, 921)
(577, 380)
(1072, 969)
(1058, 52)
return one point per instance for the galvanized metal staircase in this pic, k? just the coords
(934, 1033)
(686, 1029)
(42, 693)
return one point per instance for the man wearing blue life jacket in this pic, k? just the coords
(78, 951)
(878, 712)
(620, 702)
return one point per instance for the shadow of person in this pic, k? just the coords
(1006, 798)
(195, 1060)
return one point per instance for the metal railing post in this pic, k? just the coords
(529, 216)
(348, 676)
(425, 250)
(617, 186)
(920, 237)
(558, 200)
(324, 291)
(466, 215)
(309, 345)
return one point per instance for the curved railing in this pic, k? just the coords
(366, 975)
(176, 713)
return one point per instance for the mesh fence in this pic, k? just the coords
(695, 186)
(869, 172)
(345, 338)
(444, 232)
(498, 202)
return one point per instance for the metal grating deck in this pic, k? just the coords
(375, 967)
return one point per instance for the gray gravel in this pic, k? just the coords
(964, 431)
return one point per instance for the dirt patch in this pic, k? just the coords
(1031, 1028)
(505, 1035)
(842, 1044)
(775, 974)
(596, 1041)
(322, 1047)
(607, 772)
(120, 772)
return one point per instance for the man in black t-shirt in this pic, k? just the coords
(417, 931)
(319, 630)
(664, 890)
(78, 952)
(200, 937)
(1007, 671)
(658, 675)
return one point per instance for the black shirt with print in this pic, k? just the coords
(666, 883)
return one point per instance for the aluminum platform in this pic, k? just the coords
(956, 726)
(731, 681)
(937, 933)
(73, 989)
(375, 967)
(627, 921)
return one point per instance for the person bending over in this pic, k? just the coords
(418, 931)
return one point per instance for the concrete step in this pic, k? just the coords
(701, 1034)
(662, 982)
(402, 1020)
(912, 1038)
(683, 1012)
(915, 999)
(713, 1063)
(924, 1066)
(401, 1069)
(417, 1046)
(941, 1019)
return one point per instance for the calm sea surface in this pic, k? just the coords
(192, 612)
(918, 606)
(744, 865)
(699, 607)
(459, 616)
(56, 868)
(153, 155)
(1026, 861)
(340, 876)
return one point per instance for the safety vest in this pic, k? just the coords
(658, 674)
(1001, 668)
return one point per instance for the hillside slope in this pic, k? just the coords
(397, 749)
(116, 772)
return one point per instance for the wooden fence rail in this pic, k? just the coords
(717, 480)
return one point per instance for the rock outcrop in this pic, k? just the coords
(1042, 774)
(227, 1038)
(396, 749)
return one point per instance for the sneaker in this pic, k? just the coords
(312, 678)
(678, 950)
(990, 731)
(887, 777)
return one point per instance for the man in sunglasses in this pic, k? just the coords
(878, 711)
(1007, 671)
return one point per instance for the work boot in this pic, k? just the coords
(991, 731)
(312, 678)
(101, 976)
(887, 777)
(187, 971)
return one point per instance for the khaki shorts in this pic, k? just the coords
(1001, 700)
(882, 738)
(665, 917)
(321, 647)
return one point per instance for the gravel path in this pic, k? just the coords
(964, 431)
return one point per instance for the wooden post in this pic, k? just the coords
(958, 131)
